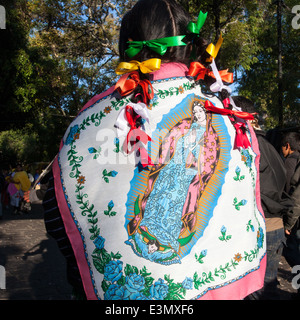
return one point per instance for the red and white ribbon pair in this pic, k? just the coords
(128, 124)
(241, 139)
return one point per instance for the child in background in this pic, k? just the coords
(15, 193)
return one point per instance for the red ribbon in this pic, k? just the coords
(228, 112)
(129, 81)
(135, 136)
(196, 68)
(226, 103)
(241, 139)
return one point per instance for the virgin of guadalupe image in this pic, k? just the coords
(165, 225)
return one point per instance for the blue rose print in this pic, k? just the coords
(159, 290)
(223, 229)
(247, 158)
(238, 176)
(109, 211)
(113, 270)
(260, 237)
(111, 204)
(187, 283)
(99, 242)
(92, 150)
(113, 173)
(238, 204)
(134, 283)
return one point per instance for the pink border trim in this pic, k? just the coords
(73, 234)
(255, 147)
(71, 228)
(97, 97)
(241, 288)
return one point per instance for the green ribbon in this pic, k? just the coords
(196, 27)
(159, 46)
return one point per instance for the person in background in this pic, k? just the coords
(275, 202)
(290, 147)
(15, 194)
(2, 188)
(5, 198)
(23, 183)
(36, 176)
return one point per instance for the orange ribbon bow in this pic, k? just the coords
(129, 81)
(196, 68)
(134, 136)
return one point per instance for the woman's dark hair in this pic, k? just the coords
(245, 104)
(154, 19)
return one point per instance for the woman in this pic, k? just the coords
(147, 177)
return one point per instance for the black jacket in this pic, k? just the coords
(290, 164)
(275, 202)
(295, 195)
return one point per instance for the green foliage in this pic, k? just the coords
(18, 145)
(250, 50)
(55, 55)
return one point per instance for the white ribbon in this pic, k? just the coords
(122, 124)
(218, 85)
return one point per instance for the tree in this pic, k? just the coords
(65, 53)
(15, 67)
(55, 55)
(19, 146)
(272, 83)
(261, 49)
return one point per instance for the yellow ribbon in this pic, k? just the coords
(145, 66)
(213, 50)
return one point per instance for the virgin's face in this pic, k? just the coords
(199, 114)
